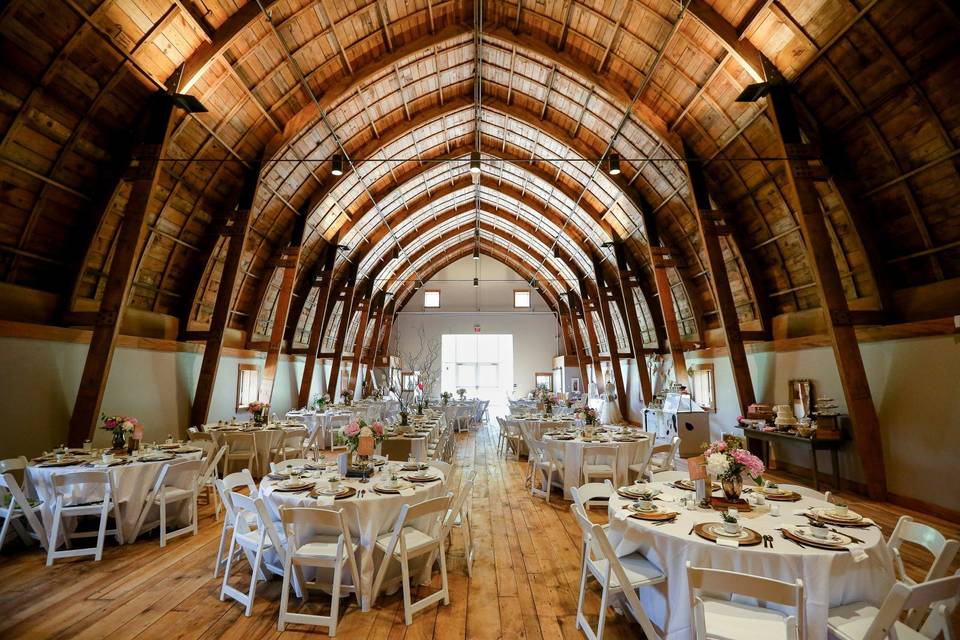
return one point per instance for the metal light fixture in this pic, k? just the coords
(474, 162)
(343, 247)
(417, 284)
(337, 165)
(556, 251)
(476, 282)
(476, 252)
(533, 283)
(613, 164)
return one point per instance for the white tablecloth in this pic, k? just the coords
(830, 578)
(368, 517)
(131, 482)
(629, 453)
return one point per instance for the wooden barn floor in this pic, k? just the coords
(524, 584)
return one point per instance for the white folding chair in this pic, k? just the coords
(211, 470)
(261, 545)
(225, 487)
(292, 444)
(442, 466)
(241, 447)
(315, 443)
(586, 494)
(663, 457)
(14, 505)
(549, 462)
(600, 462)
(317, 538)
(175, 484)
(411, 539)
(940, 621)
(459, 516)
(716, 615)
(616, 575)
(925, 536)
(18, 468)
(863, 621)
(102, 482)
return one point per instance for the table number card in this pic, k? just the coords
(366, 446)
(697, 467)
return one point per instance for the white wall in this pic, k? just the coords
(536, 332)
(915, 384)
(39, 380)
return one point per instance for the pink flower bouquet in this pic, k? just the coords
(724, 461)
(360, 429)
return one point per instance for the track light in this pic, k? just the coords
(337, 165)
(556, 251)
(613, 164)
(476, 282)
(343, 247)
(753, 92)
(476, 252)
(474, 162)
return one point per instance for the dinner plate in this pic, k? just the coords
(422, 478)
(157, 458)
(636, 509)
(381, 487)
(805, 535)
(830, 515)
(713, 530)
(415, 467)
(634, 492)
(286, 485)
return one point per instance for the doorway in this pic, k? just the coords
(480, 363)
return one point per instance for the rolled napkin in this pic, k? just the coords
(857, 552)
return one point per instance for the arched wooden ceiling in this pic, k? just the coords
(395, 80)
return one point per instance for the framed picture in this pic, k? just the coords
(575, 385)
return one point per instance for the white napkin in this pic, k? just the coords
(325, 501)
(728, 542)
(857, 552)
(622, 515)
(407, 491)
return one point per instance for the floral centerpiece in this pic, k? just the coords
(588, 415)
(320, 401)
(549, 399)
(728, 463)
(462, 393)
(445, 397)
(120, 426)
(259, 411)
(353, 432)
(345, 397)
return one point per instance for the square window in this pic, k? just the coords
(703, 386)
(521, 299)
(431, 299)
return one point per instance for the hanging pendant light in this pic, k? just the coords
(613, 164)
(476, 282)
(474, 162)
(337, 169)
(476, 252)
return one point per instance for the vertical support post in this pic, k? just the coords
(585, 304)
(578, 341)
(142, 174)
(711, 224)
(365, 303)
(288, 264)
(801, 175)
(633, 323)
(380, 307)
(320, 315)
(603, 305)
(235, 229)
(659, 256)
(345, 317)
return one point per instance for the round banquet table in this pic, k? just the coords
(368, 517)
(265, 439)
(131, 482)
(629, 452)
(830, 578)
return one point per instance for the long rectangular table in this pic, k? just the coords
(812, 444)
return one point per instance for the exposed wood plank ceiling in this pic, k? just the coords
(878, 81)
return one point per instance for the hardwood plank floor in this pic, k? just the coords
(524, 584)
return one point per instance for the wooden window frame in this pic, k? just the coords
(240, 369)
(529, 299)
(436, 291)
(713, 385)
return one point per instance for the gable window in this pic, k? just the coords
(521, 299)
(248, 385)
(703, 386)
(431, 299)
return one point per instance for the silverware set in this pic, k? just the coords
(767, 541)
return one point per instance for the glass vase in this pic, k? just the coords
(732, 487)
(119, 439)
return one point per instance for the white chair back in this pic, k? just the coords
(922, 535)
(904, 597)
(14, 505)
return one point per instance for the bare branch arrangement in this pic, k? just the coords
(424, 360)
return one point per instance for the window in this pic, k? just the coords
(431, 299)
(480, 363)
(521, 299)
(248, 385)
(703, 386)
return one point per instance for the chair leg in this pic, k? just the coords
(253, 581)
(405, 573)
(335, 598)
(163, 521)
(443, 575)
(220, 558)
(284, 593)
(102, 531)
(54, 532)
(583, 584)
(226, 570)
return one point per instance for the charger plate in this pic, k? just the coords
(713, 530)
